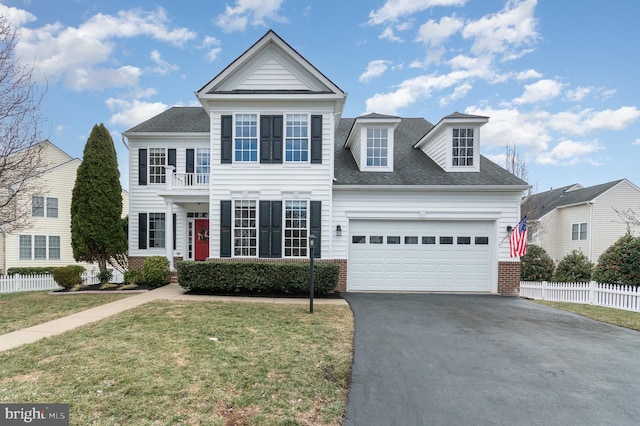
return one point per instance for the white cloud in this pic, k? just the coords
(529, 74)
(374, 69)
(458, 93)
(16, 17)
(612, 119)
(254, 12)
(435, 33)
(212, 46)
(129, 113)
(569, 152)
(394, 9)
(579, 93)
(636, 142)
(540, 91)
(388, 34)
(76, 54)
(502, 32)
(162, 67)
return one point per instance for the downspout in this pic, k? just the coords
(124, 143)
(591, 231)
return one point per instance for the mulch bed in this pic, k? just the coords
(95, 289)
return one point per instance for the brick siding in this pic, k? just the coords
(509, 278)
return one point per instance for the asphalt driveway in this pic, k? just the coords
(425, 359)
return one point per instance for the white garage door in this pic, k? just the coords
(420, 256)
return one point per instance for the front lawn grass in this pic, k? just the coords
(609, 315)
(192, 363)
(21, 310)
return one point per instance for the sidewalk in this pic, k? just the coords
(170, 291)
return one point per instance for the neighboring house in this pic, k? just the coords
(46, 241)
(267, 161)
(574, 217)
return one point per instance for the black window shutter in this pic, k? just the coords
(264, 229)
(174, 230)
(265, 139)
(316, 139)
(276, 229)
(142, 166)
(226, 153)
(225, 228)
(142, 231)
(190, 161)
(276, 139)
(171, 157)
(316, 225)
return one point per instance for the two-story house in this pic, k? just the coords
(46, 240)
(268, 160)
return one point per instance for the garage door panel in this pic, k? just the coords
(420, 262)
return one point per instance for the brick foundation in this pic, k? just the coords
(509, 278)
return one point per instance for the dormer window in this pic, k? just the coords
(377, 147)
(462, 142)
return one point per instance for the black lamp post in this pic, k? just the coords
(312, 246)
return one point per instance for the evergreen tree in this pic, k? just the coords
(96, 207)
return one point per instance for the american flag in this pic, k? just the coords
(518, 239)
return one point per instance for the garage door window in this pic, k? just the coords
(446, 240)
(464, 240)
(359, 239)
(482, 241)
(393, 240)
(428, 240)
(411, 240)
(376, 239)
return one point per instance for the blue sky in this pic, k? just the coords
(559, 79)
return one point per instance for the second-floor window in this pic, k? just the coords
(157, 163)
(462, 144)
(579, 231)
(203, 165)
(297, 138)
(246, 138)
(44, 206)
(377, 147)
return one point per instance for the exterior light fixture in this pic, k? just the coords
(338, 231)
(509, 229)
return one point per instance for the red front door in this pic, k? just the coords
(201, 238)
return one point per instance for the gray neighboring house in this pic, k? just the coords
(574, 217)
(267, 160)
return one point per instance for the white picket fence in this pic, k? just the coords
(617, 296)
(17, 282)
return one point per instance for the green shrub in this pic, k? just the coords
(104, 277)
(291, 278)
(536, 265)
(68, 276)
(620, 263)
(32, 270)
(574, 267)
(133, 276)
(155, 270)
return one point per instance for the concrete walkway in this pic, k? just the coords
(171, 291)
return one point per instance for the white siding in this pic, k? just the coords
(272, 74)
(437, 148)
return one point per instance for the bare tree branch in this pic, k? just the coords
(516, 164)
(20, 136)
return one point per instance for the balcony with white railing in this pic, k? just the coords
(187, 180)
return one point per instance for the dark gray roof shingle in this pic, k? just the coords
(537, 205)
(175, 120)
(411, 165)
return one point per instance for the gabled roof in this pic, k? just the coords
(413, 166)
(175, 120)
(537, 205)
(312, 81)
(454, 117)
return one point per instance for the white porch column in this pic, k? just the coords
(168, 231)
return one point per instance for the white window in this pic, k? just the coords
(157, 163)
(377, 147)
(462, 154)
(246, 138)
(297, 138)
(203, 165)
(54, 247)
(25, 247)
(156, 230)
(52, 207)
(37, 206)
(39, 247)
(579, 231)
(245, 230)
(295, 229)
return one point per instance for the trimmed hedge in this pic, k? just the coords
(68, 276)
(257, 277)
(536, 265)
(620, 263)
(30, 270)
(155, 270)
